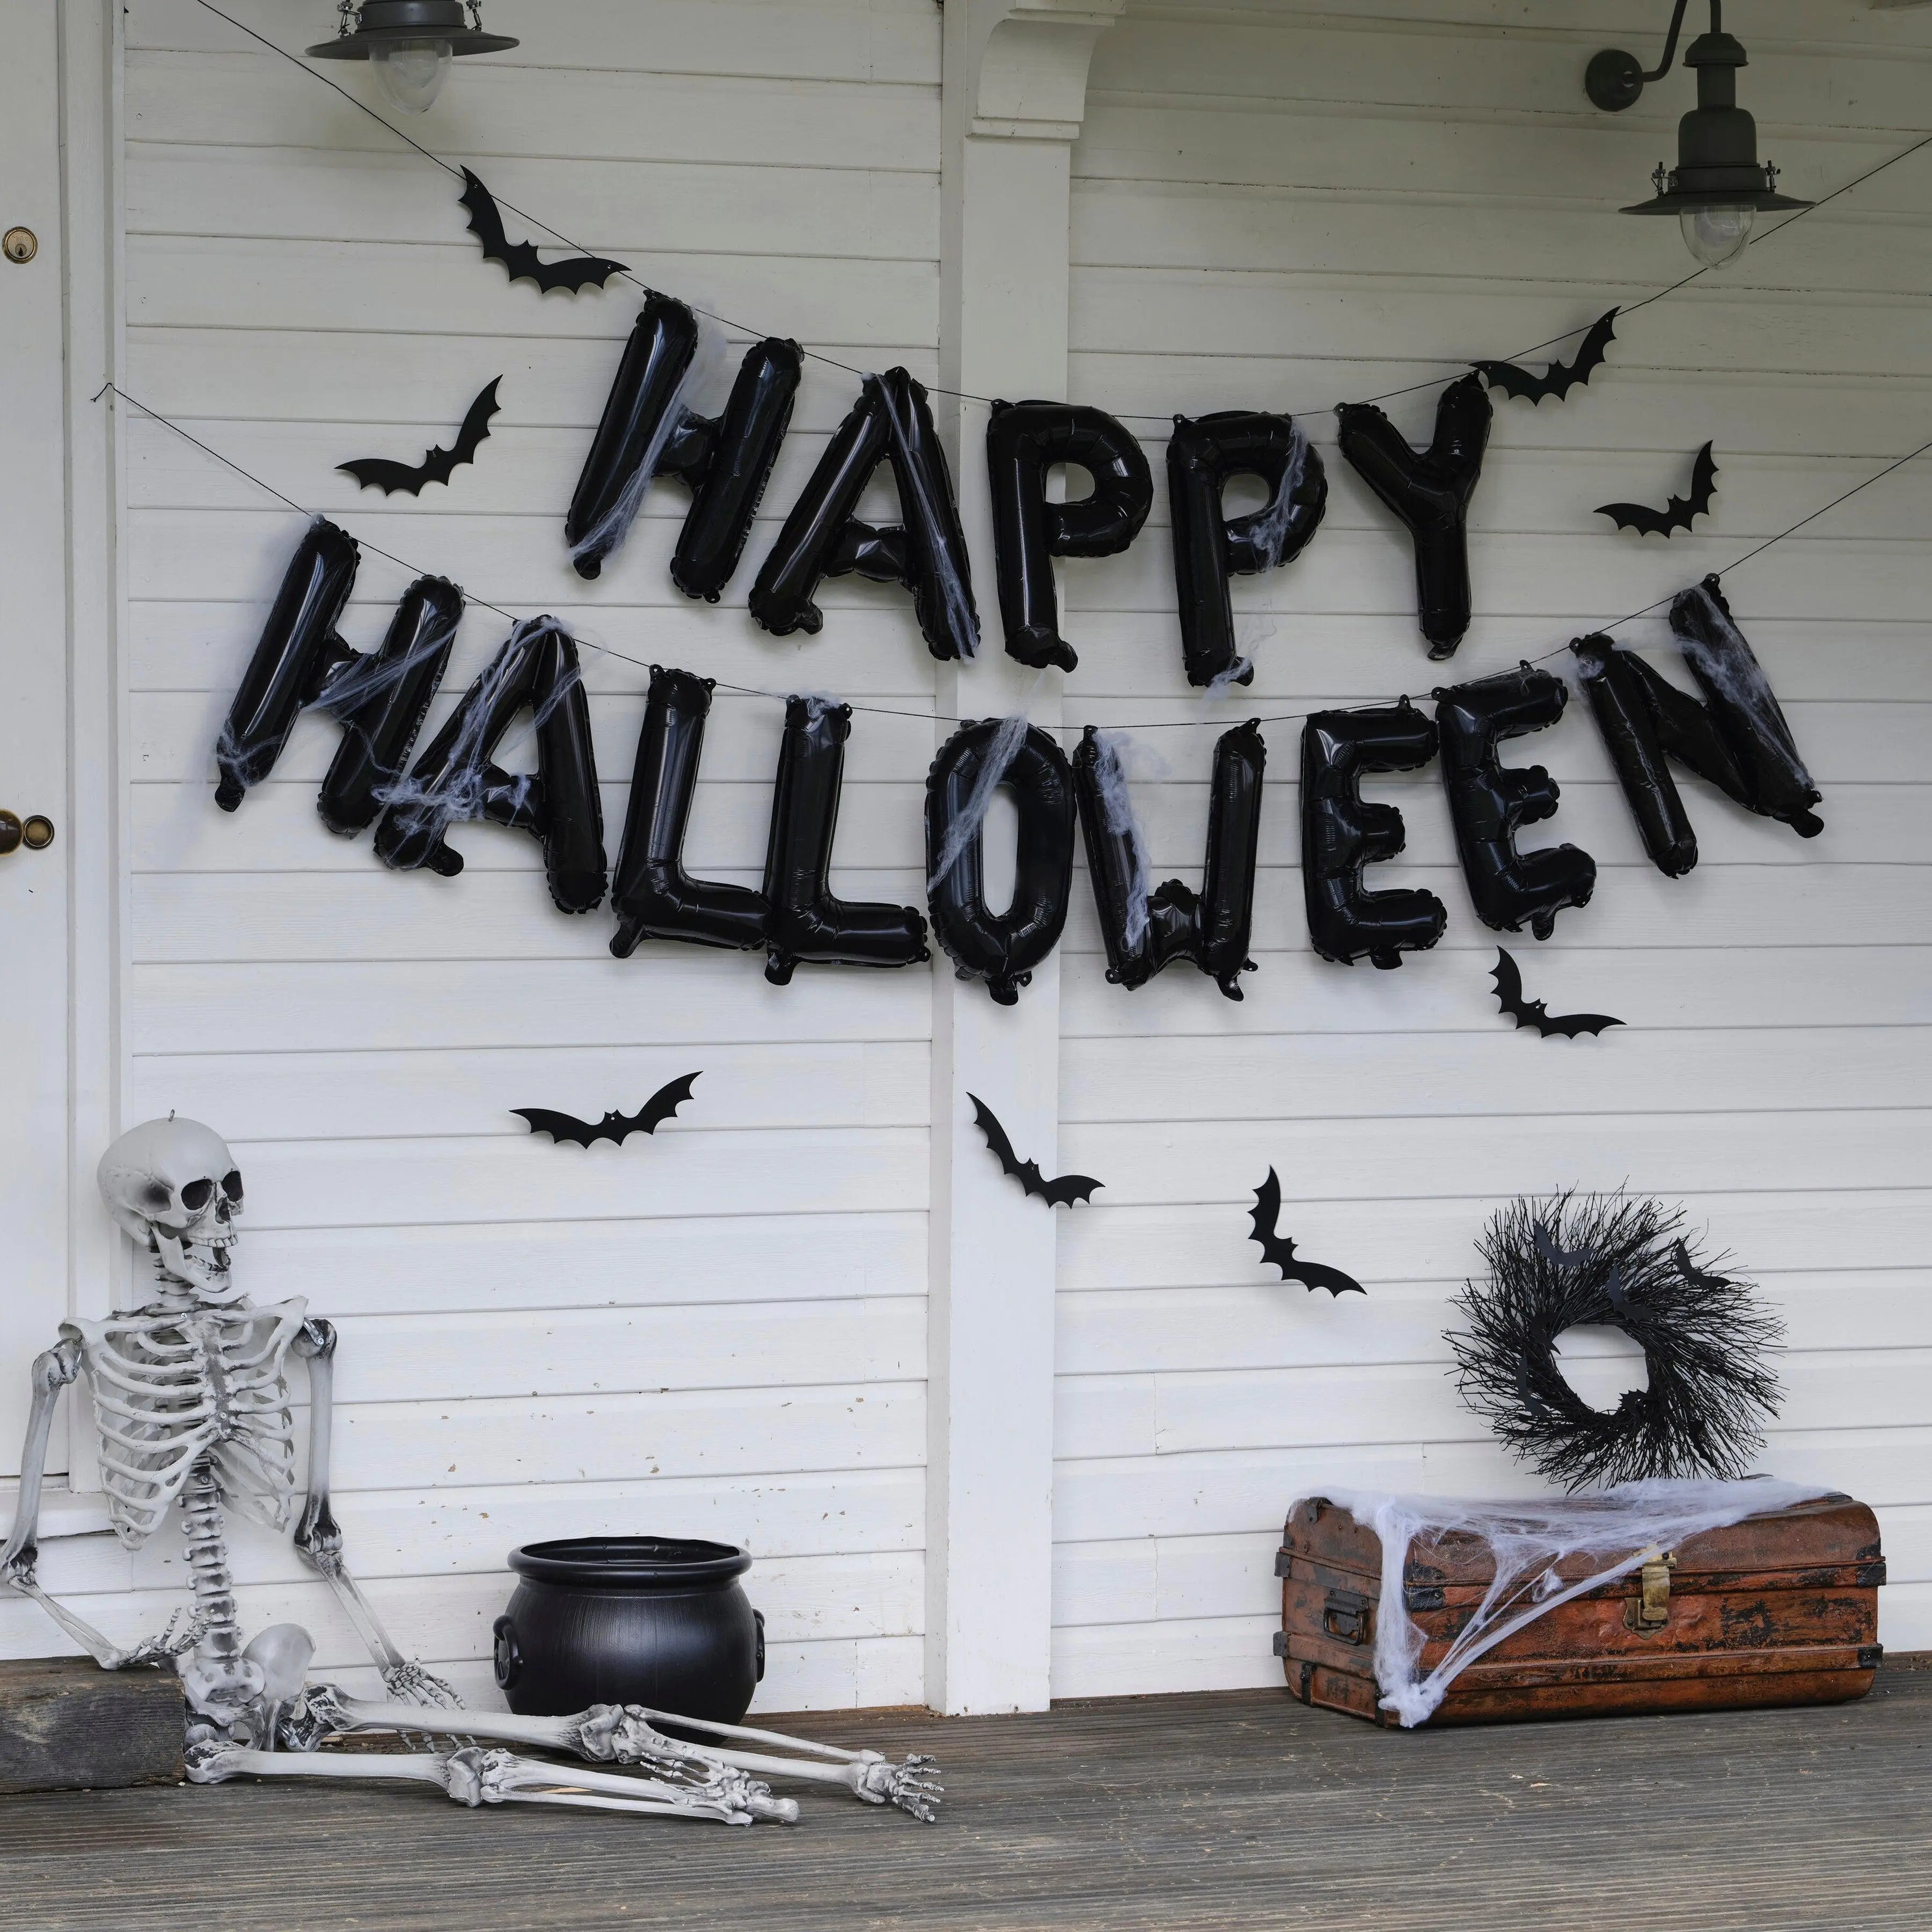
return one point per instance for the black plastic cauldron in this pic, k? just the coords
(653, 1620)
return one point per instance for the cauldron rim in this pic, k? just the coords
(603, 1562)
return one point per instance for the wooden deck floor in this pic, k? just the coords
(1171, 1814)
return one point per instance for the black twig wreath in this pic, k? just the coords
(1623, 1262)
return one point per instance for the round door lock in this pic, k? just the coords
(37, 833)
(20, 244)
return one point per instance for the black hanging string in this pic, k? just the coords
(967, 395)
(1206, 718)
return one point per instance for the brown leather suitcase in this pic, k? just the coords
(1782, 1608)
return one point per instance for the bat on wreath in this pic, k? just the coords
(1615, 1294)
(1677, 513)
(1508, 977)
(652, 1115)
(1280, 1250)
(1063, 1192)
(435, 467)
(520, 258)
(1560, 378)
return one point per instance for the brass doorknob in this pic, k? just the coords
(36, 833)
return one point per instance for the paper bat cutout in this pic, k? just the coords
(1508, 976)
(1696, 1276)
(658, 1108)
(1560, 378)
(1280, 1250)
(1062, 1192)
(435, 467)
(520, 258)
(1676, 515)
(1614, 1292)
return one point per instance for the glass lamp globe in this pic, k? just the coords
(411, 73)
(1717, 236)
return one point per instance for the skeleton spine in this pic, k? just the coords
(207, 1561)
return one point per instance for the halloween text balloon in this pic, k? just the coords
(1146, 929)
(648, 428)
(652, 894)
(925, 551)
(1489, 801)
(805, 923)
(1210, 546)
(1024, 441)
(1000, 948)
(1341, 832)
(1430, 490)
(455, 779)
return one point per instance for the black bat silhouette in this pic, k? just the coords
(1280, 1250)
(658, 1108)
(1560, 378)
(435, 467)
(1677, 513)
(1508, 977)
(1696, 1276)
(1614, 1293)
(1063, 1192)
(520, 258)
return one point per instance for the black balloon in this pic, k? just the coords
(1490, 801)
(1004, 948)
(653, 895)
(1210, 546)
(726, 460)
(1341, 832)
(1024, 441)
(805, 921)
(292, 661)
(382, 700)
(454, 780)
(1212, 928)
(1634, 718)
(1430, 490)
(926, 552)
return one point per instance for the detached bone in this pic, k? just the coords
(193, 1407)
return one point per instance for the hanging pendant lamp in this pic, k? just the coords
(409, 44)
(1719, 186)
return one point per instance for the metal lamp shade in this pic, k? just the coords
(386, 22)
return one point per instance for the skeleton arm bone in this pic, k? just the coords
(53, 1372)
(318, 1537)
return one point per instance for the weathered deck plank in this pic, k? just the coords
(1169, 1814)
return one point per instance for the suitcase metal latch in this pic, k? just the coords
(1345, 1615)
(1649, 1610)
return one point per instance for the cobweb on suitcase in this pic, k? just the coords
(1615, 1532)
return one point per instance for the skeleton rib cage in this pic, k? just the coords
(172, 1389)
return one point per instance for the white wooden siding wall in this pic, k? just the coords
(717, 1331)
(1285, 204)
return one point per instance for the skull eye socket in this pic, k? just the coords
(197, 1194)
(231, 1185)
(156, 1195)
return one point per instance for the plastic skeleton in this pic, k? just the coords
(193, 1406)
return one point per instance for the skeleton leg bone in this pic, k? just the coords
(471, 1776)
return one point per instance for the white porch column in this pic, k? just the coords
(1015, 85)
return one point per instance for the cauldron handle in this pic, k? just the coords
(509, 1658)
(758, 1617)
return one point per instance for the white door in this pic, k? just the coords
(34, 880)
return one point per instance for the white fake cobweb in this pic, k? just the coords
(1616, 1532)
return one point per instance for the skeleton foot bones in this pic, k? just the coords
(194, 1409)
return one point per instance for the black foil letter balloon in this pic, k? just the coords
(805, 921)
(1489, 801)
(926, 552)
(1145, 931)
(455, 779)
(1209, 546)
(653, 896)
(1430, 490)
(1737, 738)
(1341, 832)
(648, 429)
(1024, 441)
(1000, 948)
(381, 701)
(292, 661)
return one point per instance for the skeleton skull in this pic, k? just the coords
(173, 1185)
